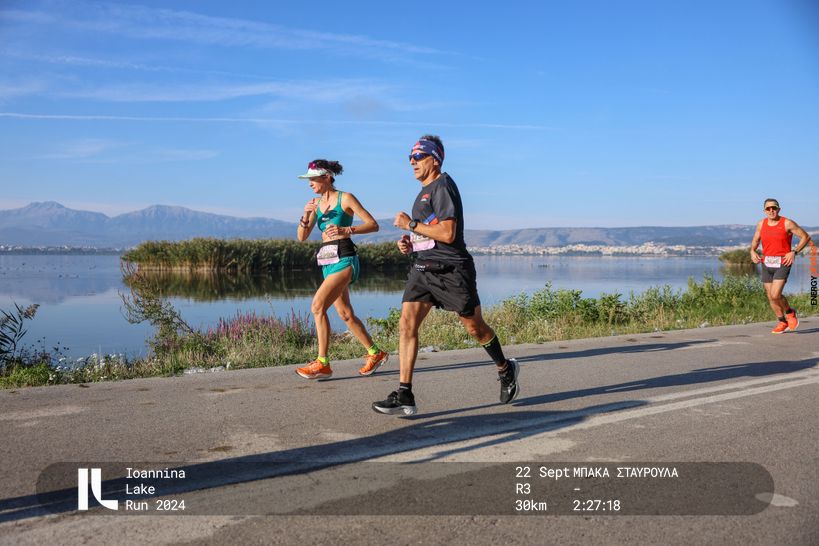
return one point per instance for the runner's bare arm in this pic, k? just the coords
(350, 203)
(796, 229)
(755, 242)
(443, 231)
(307, 220)
(804, 240)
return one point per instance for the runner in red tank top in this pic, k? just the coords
(776, 234)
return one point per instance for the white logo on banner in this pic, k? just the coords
(96, 488)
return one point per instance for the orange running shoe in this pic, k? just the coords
(793, 322)
(315, 370)
(781, 327)
(374, 362)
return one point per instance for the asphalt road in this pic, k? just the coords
(271, 458)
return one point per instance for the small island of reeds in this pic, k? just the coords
(737, 258)
(251, 255)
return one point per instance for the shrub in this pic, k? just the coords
(741, 257)
(12, 330)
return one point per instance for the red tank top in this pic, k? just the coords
(775, 240)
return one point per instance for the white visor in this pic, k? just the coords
(313, 173)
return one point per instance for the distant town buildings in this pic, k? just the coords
(63, 249)
(645, 249)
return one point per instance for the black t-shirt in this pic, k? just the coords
(438, 201)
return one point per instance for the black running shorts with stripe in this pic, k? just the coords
(455, 289)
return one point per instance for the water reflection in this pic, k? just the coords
(48, 279)
(207, 286)
(739, 270)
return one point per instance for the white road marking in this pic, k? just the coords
(495, 446)
(710, 345)
(57, 411)
(624, 415)
(776, 499)
(735, 385)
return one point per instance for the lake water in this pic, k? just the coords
(81, 308)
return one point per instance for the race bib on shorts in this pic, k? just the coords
(328, 255)
(419, 242)
(773, 261)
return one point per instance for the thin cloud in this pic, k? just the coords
(333, 92)
(96, 150)
(73, 60)
(148, 157)
(669, 178)
(21, 89)
(29, 17)
(142, 22)
(92, 62)
(82, 149)
(186, 155)
(272, 121)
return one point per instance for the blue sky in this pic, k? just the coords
(588, 113)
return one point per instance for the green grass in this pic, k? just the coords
(248, 341)
(27, 376)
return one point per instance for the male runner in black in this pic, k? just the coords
(443, 275)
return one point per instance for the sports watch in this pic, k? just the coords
(413, 224)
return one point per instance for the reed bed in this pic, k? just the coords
(251, 255)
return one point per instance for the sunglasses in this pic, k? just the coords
(418, 156)
(771, 208)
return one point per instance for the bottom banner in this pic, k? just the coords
(385, 488)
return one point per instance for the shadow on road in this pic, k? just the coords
(704, 375)
(496, 428)
(586, 353)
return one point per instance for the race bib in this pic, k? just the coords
(328, 255)
(419, 242)
(773, 261)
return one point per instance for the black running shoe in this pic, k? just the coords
(397, 402)
(509, 381)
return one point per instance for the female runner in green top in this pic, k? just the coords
(333, 213)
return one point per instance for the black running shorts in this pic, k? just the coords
(455, 289)
(768, 274)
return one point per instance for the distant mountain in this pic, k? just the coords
(51, 224)
(175, 223)
(50, 215)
